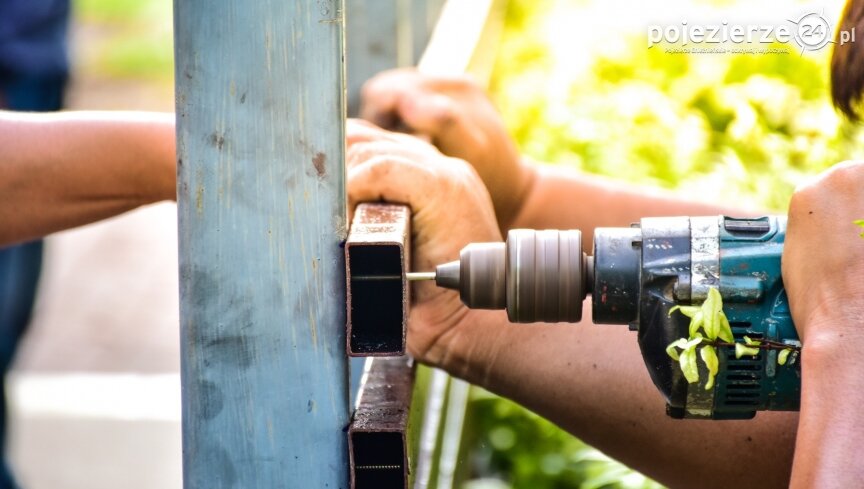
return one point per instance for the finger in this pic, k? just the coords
(408, 101)
(407, 104)
(390, 178)
(380, 95)
(428, 113)
(359, 131)
(362, 152)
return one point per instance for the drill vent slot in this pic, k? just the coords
(743, 379)
(735, 389)
(742, 403)
(746, 367)
(741, 396)
(743, 375)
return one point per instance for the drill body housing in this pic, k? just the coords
(673, 261)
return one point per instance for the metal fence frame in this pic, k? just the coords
(261, 104)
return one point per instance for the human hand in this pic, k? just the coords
(450, 208)
(823, 257)
(459, 119)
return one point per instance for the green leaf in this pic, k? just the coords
(693, 342)
(696, 322)
(709, 356)
(688, 365)
(741, 350)
(750, 342)
(725, 333)
(711, 308)
(860, 222)
(671, 349)
(688, 311)
(783, 356)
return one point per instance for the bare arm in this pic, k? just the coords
(588, 379)
(562, 198)
(823, 266)
(62, 170)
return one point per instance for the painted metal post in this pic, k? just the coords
(261, 191)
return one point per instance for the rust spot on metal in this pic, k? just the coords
(217, 140)
(199, 199)
(378, 434)
(318, 162)
(376, 260)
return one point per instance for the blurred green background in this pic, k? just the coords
(730, 128)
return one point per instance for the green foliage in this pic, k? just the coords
(758, 123)
(134, 38)
(528, 452)
(860, 222)
(743, 129)
(710, 328)
(709, 323)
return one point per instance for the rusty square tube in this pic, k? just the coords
(378, 439)
(376, 262)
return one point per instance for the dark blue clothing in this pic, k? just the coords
(20, 265)
(33, 71)
(33, 37)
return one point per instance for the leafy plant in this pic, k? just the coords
(860, 222)
(709, 327)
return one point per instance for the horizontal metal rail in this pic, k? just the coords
(378, 438)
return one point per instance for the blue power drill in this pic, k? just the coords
(636, 276)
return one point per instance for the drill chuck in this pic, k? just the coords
(537, 276)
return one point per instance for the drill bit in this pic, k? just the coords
(411, 276)
(416, 276)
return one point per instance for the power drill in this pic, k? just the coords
(636, 276)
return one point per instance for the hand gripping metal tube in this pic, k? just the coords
(538, 276)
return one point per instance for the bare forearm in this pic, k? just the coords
(591, 380)
(562, 198)
(63, 170)
(831, 432)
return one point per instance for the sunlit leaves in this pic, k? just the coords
(783, 356)
(709, 327)
(672, 349)
(709, 356)
(742, 350)
(725, 333)
(707, 323)
(688, 365)
(712, 308)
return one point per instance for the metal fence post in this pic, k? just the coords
(261, 194)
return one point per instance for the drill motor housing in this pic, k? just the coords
(642, 272)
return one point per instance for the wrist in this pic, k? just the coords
(833, 349)
(468, 350)
(529, 174)
(831, 326)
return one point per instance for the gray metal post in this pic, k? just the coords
(261, 193)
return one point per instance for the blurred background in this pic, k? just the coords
(95, 390)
